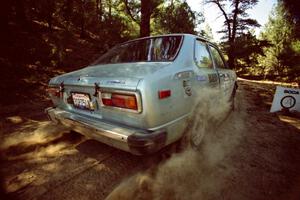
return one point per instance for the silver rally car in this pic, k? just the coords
(138, 95)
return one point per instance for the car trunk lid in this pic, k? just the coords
(86, 81)
(123, 75)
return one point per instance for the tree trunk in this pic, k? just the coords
(109, 9)
(68, 12)
(82, 24)
(99, 9)
(230, 34)
(82, 27)
(231, 53)
(4, 17)
(231, 59)
(234, 21)
(20, 12)
(146, 12)
(49, 21)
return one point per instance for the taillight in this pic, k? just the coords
(127, 101)
(53, 91)
(162, 94)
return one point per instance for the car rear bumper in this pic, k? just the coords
(135, 141)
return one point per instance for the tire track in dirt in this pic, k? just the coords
(98, 180)
(57, 180)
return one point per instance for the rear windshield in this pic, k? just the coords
(145, 50)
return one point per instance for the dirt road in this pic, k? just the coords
(253, 155)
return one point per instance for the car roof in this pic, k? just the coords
(173, 34)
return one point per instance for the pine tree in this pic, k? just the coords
(237, 22)
(282, 58)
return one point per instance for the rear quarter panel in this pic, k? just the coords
(157, 112)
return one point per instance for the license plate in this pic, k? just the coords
(81, 101)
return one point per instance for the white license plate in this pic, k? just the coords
(81, 101)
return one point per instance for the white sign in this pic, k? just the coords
(286, 98)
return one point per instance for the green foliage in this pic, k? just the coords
(293, 15)
(247, 50)
(176, 17)
(141, 12)
(295, 45)
(283, 56)
(207, 32)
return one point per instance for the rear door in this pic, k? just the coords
(225, 75)
(206, 74)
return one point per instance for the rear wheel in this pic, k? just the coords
(232, 97)
(192, 136)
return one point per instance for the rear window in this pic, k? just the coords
(153, 49)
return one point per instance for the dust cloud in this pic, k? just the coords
(28, 143)
(45, 132)
(200, 171)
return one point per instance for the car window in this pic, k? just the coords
(202, 56)
(153, 49)
(217, 57)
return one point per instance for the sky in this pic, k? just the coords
(213, 17)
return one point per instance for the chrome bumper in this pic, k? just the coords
(135, 141)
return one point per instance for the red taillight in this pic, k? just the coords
(53, 91)
(107, 102)
(127, 101)
(164, 94)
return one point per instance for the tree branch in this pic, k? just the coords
(128, 10)
(227, 20)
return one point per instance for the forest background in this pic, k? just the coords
(40, 38)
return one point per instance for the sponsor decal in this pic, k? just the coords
(188, 91)
(187, 87)
(201, 78)
(291, 91)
